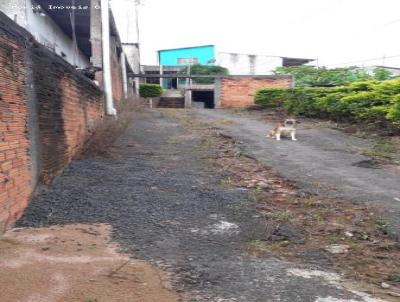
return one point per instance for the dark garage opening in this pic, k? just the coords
(206, 97)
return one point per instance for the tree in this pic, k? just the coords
(306, 75)
(149, 91)
(199, 69)
(382, 74)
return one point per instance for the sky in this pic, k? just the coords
(335, 32)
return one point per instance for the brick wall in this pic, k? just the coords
(15, 176)
(47, 111)
(239, 92)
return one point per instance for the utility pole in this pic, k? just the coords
(137, 3)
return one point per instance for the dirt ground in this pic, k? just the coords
(183, 195)
(75, 263)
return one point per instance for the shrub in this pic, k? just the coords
(361, 86)
(150, 90)
(302, 101)
(370, 101)
(393, 114)
(272, 97)
(391, 87)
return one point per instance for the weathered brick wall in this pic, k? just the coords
(15, 175)
(239, 92)
(69, 106)
(48, 110)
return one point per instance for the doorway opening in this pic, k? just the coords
(203, 99)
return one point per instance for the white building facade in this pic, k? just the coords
(250, 64)
(31, 16)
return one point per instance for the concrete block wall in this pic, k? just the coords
(47, 111)
(239, 91)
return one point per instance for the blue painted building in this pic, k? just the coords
(204, 55)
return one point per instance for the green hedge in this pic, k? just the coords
(367, 100)
(270, 97)
(150, 90)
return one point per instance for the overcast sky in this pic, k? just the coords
(334, 31)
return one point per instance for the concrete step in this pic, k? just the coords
(173, 93)
(171, 102)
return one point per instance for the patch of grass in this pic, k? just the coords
(259, 246)
(318, 217)
(384, 148)
(313, 201)
(281, 215)
(256, 195)
(382, 225)
(226, 181)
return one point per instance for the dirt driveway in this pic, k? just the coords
(323, 161)
(166, 205)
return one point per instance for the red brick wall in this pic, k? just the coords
(69, 109)
(47, 111)
(15, 175)
(82, 111)
(239, 92)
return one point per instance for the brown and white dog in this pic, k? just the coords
(287, 128)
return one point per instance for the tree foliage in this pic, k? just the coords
(382, 74)
(305, 75)
(199, 69)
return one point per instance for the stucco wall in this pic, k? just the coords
(44, 29)
(243, 64)
(202, 53)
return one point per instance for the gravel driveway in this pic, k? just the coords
(166, 206)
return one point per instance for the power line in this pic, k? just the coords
(366, 60)
(386, 24)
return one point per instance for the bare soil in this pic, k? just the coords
(75, 263)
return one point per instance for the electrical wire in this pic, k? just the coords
(363, 61)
